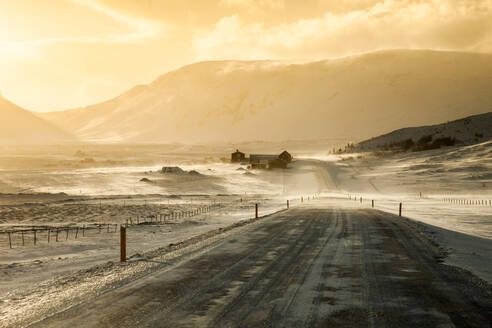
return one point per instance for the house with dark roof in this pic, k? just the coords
(260, 161)
(285, 156)
(238, 157)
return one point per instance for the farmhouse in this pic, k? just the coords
(281, 161)
(285, 156)
(258, 161)
(237, 157)
(262, 161)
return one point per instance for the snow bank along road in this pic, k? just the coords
(311, 266)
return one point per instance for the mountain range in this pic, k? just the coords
(232, 101)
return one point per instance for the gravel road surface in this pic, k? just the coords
(310, 266)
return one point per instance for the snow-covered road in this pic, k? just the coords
(314, 265)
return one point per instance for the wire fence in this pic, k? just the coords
(21, 235)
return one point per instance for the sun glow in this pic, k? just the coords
(59, 54)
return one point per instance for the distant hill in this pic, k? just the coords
(467, 131)
(355, 97)
(19, 126)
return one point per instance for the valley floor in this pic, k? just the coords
(429, 184)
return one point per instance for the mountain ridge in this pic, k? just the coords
(464, 131)
(20, 126)
(357, 96)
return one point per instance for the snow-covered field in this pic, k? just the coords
(423, 182)
(115, 196)
(23, 266)
(448, 191)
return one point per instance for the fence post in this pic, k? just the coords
(373, 203)
(34, 236)
(122, 244)
(400, 210)
(49, 232)
(56, 235)
(256, 210)
(287, 204)
(22, 233)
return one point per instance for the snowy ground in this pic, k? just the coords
(448, 190)
(112, 195)
(21, 266)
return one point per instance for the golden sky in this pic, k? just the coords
(59, 54)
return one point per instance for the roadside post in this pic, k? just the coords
(287, 204)
(372, 203)
(399, 210)
(256, 210)
(122, 244)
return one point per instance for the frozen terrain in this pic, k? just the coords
(448, 190)
(445, 193)
(313, 265)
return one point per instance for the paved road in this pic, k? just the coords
(311, 266)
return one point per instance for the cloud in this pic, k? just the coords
(125, 29)
(138, 28)
(448, 24)
(50, 48)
